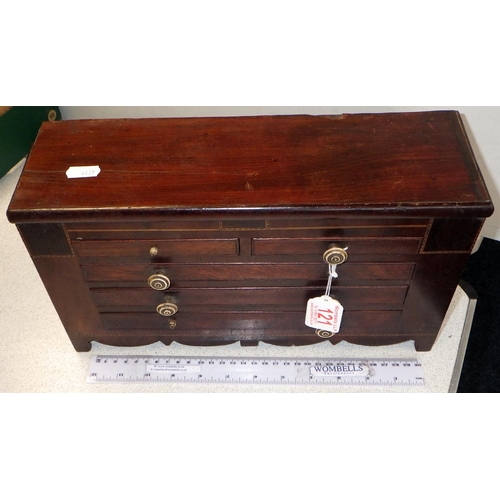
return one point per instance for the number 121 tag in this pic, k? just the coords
(324, 313)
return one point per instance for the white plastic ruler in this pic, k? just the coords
(258, 370)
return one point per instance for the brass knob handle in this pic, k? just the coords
(158, 281)
(167, 309)
(324, 334)
(335, 255)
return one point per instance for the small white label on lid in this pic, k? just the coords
(83, 171)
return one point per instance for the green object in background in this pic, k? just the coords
(18, 129)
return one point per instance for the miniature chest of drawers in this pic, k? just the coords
(209, 231)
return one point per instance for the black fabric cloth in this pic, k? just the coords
(481, 367)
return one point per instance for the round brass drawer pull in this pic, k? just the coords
(158, 281)
(335, 255)
(324, 334)
(167, 309)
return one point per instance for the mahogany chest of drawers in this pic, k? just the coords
(208, 231)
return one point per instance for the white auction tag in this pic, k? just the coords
(324, 313)
(84, 171)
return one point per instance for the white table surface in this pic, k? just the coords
(37, 356)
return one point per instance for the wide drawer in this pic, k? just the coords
(298, 274)
(399, 225)
(244, 228)
(194, 299)
(254, 321)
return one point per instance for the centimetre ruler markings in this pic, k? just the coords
(258, 370)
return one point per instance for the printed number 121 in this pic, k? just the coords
(326, 316)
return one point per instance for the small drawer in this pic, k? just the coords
(142, 250)
(359, 249)
(120, 230)
(358, 226)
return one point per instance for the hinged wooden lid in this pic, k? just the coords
(395, 163)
